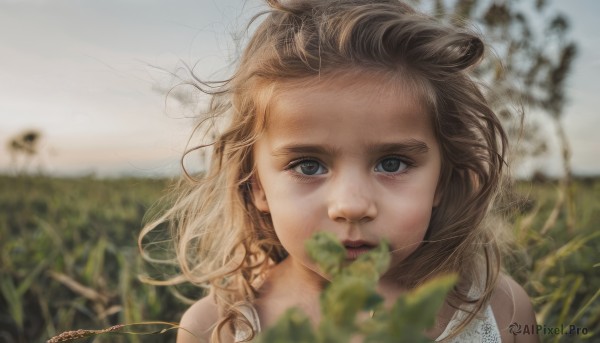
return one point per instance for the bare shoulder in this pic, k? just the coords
(198, 322)
(511, 306)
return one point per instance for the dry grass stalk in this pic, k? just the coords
(77, 334)
(78, 288)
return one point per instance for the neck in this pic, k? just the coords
(290, 284)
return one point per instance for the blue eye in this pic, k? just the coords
(391, 165)
(309, 167)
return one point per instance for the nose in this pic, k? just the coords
(351, 200)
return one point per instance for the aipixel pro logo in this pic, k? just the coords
(571, 330)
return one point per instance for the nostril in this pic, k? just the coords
(352, 214)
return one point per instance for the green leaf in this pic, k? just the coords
(353, 291)
(31, 277)
(412, 313)
(95, 263)
(326, 251)
(345, 297)
(370, 265)
(13, 298)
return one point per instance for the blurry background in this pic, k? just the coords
(92, 78)
(83, 89)
(87, 75)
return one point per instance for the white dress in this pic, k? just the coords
(482, 329)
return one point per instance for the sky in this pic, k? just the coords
(92, 76)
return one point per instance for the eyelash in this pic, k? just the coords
(302, 177)
(293, 164)
(409, 164)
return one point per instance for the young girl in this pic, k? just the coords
(360, 118)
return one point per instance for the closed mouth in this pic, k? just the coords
(356, 248)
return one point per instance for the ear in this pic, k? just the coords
(258, 194)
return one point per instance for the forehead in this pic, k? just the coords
(352, 103)
(359, 80)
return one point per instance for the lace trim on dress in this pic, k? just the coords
(483, 328)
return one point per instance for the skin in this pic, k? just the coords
(356, 156)
(360, 162)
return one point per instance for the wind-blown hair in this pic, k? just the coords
(225, 243)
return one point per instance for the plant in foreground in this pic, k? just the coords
(352, 290)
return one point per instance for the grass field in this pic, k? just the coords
(69, 259)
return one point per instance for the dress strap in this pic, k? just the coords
(243, 333)
(483, 328)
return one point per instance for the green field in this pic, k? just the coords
(69, 258)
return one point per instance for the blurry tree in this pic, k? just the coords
(533, 58)
(25, 147)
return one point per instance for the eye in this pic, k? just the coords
(391, 165)
(308, 167)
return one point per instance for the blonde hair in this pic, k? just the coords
(225, 243)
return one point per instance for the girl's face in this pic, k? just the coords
(356, 156)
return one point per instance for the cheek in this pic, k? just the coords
(412, 226)
(411, 218)
(295, 217)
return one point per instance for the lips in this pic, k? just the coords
(356, 248)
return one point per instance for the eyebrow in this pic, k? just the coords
(413, 146)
